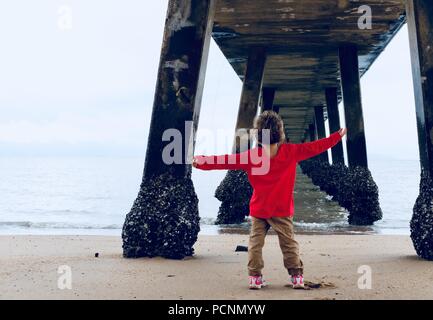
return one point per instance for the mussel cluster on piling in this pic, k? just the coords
(164, 219)
(235, 193)
(421, 225)
(353, 188)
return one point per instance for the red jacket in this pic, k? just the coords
(273, 188)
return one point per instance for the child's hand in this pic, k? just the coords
(342, 132)
(195, 162)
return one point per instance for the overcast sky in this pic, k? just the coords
(87, 87)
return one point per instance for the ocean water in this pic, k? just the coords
(64, 195)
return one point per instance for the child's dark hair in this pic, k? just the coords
(271, 121)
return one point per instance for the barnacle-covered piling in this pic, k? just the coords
(420, 26)
(235, 193)
(164, 219)
(421, 225)
(353, 188)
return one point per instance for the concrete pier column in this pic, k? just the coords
(420, 26)
(235, 191)
(350, 83)
(334, 123)
(164, 219)
(268, 96)
(321, 131)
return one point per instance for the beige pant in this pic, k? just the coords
(283, 226)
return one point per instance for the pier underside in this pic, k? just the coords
(295, 57)
(302, 39)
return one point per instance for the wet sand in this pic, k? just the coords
(29, 269)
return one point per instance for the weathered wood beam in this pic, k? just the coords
(268, 95)
(351, 87)
(249, 103)
(321, 131)
(334, 123)
(312, 132)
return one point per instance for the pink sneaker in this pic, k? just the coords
(257, 282)
(297, 282)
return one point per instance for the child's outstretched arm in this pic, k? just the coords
(308, 150)
(238, 161)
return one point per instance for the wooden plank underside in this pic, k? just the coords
(302, 39)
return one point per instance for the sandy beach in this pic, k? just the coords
(29, 269)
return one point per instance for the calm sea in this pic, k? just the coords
(92, 195)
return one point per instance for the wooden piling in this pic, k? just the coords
(268, 95)
(235, 209)
(180, 83)
(351, 87)
(152, 227)
(250, 96)
(312, 132)
(420, 26)
(334, 123)
(321, 131)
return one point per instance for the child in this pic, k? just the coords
(271, 204)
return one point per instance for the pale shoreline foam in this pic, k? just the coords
(45, 228)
